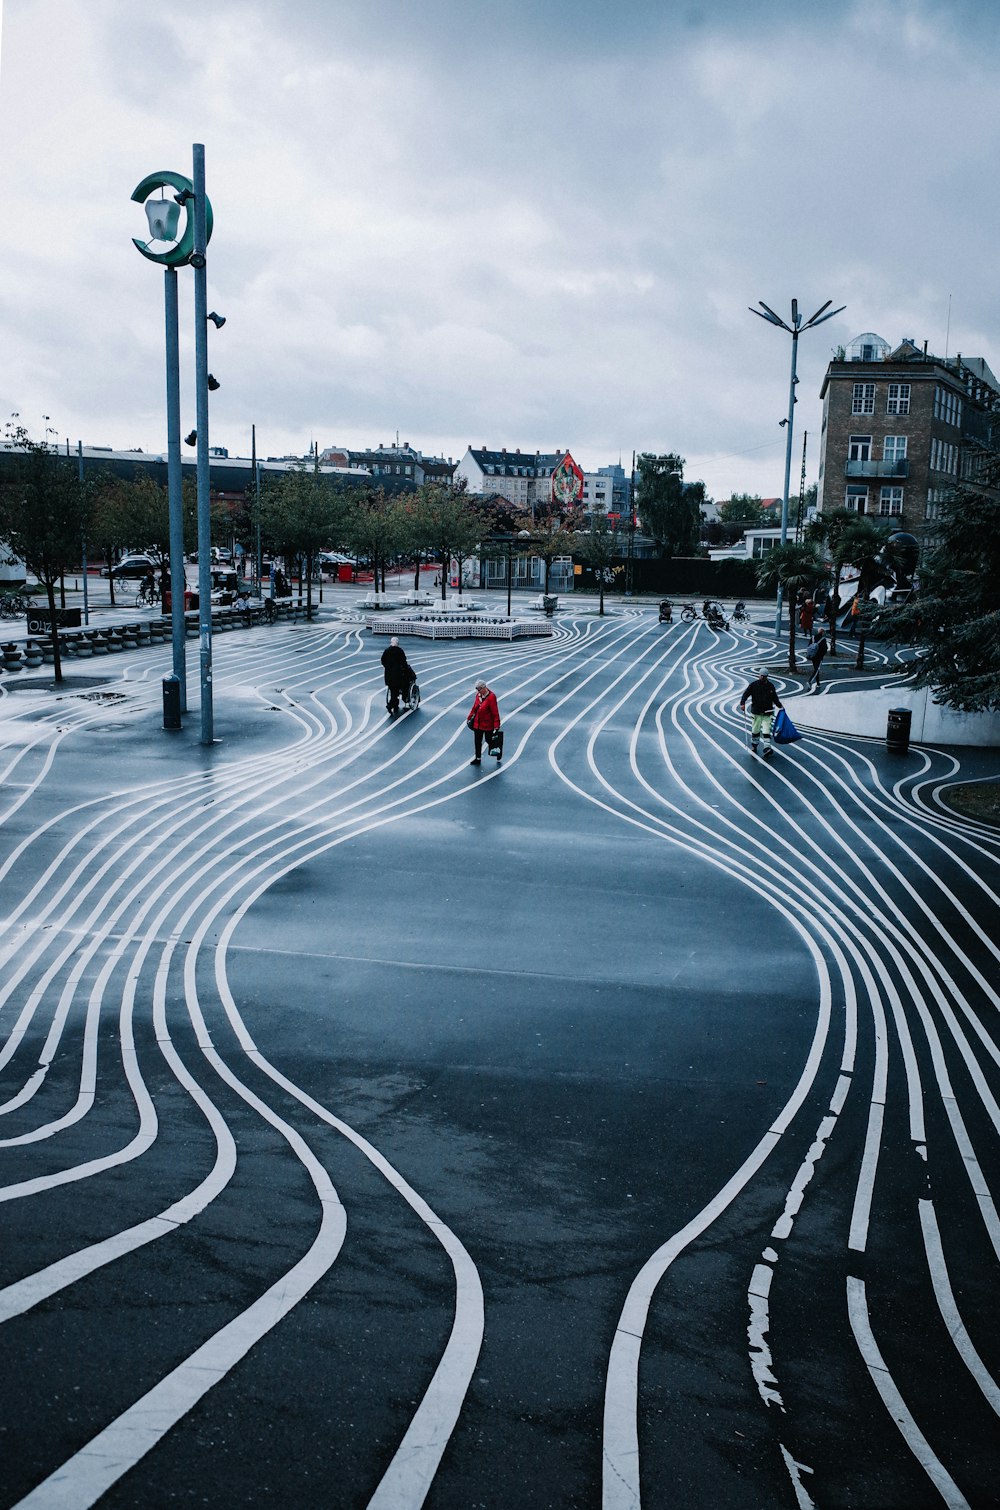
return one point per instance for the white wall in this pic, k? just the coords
(867, 713)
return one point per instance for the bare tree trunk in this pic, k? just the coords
(50, 593)
(309, 584)
(832, 618)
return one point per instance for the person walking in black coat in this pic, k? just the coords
(763, 698)
(397, 673)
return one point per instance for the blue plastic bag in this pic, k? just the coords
(783, 731)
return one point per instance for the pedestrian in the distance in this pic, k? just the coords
(484, 718)
(806, 615)
(816, 652)
(763, 698)
(853, 614)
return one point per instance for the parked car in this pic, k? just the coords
(132, 566)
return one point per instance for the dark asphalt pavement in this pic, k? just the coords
(617, 1127)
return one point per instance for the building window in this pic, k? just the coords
(890, 501)
(894, 448)
(860, 447)
(944, 457)
(897, 399)
(864, 398)
(856, 499)
(947, 406)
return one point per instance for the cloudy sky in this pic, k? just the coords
(534, 223)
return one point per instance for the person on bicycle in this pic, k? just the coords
(147, 588)
(398, 673)
(763, 698)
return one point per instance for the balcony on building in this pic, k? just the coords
(877, 468)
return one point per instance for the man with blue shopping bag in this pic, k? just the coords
(763, 698)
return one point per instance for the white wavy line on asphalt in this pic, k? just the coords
(621, 1482)
(857, 1308)
(83, 1478)
(618, 1483)
(19, 1297)
(410, 1466)
(948, 1306)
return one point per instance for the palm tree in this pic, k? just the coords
(794, 567)
(826, 532)
(863, 544)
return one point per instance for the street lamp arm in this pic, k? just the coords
(770, 316)
(815, 321)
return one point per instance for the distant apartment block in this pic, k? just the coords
(394, 467)
(531, 480)
(901, 428)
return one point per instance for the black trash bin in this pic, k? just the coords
(897, 730)
(171, 702)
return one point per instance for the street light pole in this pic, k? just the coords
(179, 250)
(198, 262)
(794, 330)
(175, 505)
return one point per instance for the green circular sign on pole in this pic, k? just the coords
(164, 215)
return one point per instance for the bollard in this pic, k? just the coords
(897, 730)
(171, 702)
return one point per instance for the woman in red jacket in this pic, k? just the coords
(484, 717)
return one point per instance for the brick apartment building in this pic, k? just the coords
(901, 428)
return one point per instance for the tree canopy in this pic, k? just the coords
(794, 567)
(670, 508)
(955, 618)
(745, 509)
(44, 508)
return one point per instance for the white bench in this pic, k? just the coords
(376, 600)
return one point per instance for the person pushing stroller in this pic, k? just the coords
(763, 698)
(398, 674)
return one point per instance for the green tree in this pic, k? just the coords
(373, 529)
(669, 508)
(743, 509)
(793, 567)
(864, 544)
(550, 538)
(44, 508)
(447, 523)
(600, 548)
(135, 512)
(955, 617)
(305, 511)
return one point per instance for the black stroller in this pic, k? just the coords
(666, 611)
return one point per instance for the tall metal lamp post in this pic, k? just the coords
(794, 330)
(189, 248)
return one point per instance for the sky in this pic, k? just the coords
(534, 223)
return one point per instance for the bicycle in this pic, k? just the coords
(710, 611)
(14, 605)
(147, 596)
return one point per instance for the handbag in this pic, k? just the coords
(494, 742)
(783, 731)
